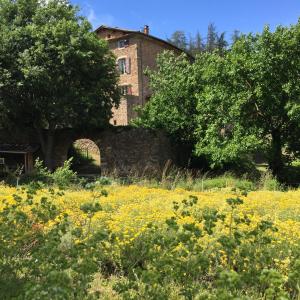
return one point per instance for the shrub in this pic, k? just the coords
(39, 174)
(63, 176)
(194, 252)
(42, 254)
(269, 182)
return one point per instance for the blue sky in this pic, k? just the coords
(166, 16)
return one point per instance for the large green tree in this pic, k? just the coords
(54, 71)
(232, 103)
(251, 97)
(172, 105)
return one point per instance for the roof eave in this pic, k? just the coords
(144, 35)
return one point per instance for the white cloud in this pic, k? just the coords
(97, 20)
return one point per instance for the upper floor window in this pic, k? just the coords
(125, 90)
(123, 43)
(124, 65)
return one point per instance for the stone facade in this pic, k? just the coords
(139, 51)
(123, 150)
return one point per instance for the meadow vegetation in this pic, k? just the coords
(132, 241)
(182, 234)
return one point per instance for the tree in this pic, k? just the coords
(212, 38)
(196, 45)
(251, 97)
(191, 44)
(220, 134)
(235, 36)
(172, 105)
(178, 39)
(199, 46)
(221, 43)
(54, 72)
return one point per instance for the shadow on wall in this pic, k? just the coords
(86, 157)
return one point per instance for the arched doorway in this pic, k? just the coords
(86, 157)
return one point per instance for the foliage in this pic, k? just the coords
(41, 261)
(189, 262)
(196, 44)
(54, 72)
(269, 182)
(221, 134)
(55, 243)
(80, 158)
(62, 177)
(230, 104)
(251, 97)
(172, 105)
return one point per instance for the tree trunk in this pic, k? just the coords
(275, 156)
(46, 138)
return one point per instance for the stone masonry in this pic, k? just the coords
(139, 51)
(123, 150)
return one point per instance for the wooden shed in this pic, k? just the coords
(13, 156)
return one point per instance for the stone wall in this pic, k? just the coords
(142, 52)
(123, 150)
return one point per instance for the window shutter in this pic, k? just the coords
(128, 65)
(129, 90)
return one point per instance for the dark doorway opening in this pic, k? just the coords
(86, 157)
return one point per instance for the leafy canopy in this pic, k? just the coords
(232, 103)
(172, 105)
(54, 72)
(251, 97)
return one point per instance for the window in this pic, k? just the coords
(123, 43)
(125, 90)
(108, 36)
(124, 65)
(115, 122)
(2, 161)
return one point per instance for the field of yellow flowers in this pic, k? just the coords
(213, 245)
(128, 209)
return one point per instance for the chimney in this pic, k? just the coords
(146, 29)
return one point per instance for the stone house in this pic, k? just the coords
(135, 52)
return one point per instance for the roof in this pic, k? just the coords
(144, 35)
(18, 148)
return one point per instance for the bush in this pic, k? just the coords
(197, 252)
(42, 255)
(63, 176)
(237, 262)
(39, 174)
(269, 182)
